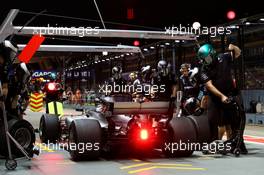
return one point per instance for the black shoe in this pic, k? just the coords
(243, 148)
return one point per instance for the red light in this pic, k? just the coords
(51, 86)
(144, 134)
(136, 43)
(130, 13)
(231, 14)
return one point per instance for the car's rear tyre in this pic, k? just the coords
(181, 134)
(202, 128)
(23, 132)
(85, 138)
(49, 128)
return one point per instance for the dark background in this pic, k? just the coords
(155, 13)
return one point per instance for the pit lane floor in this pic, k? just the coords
(59, 162)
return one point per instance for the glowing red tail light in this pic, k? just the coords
(144, 134)
(51, 86)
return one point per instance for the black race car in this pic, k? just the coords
(118, 121)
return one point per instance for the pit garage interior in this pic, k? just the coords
(133, 35)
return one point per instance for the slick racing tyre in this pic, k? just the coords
(201, 124)
(181, 133)
(49, 128)
(23, 132)
(85, 138)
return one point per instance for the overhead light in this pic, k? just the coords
(95, 62)
(122, 55)
(83, 61)
(177, 41)
(152, 47)
(261, 19)
(103, 60)
(145, 49)
(98, 61)
(196, 25)
(233, 27)
(136, 43)
(247, 23)
(127, 54)
(116, 56)
(107, 59)
(231, 14)
(167, 44)
(161, 45)
(105, 53)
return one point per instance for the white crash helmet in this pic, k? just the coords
(162, 68)
(117, 72)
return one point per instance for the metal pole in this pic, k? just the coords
(6, 27)
(98, 33)
(243, 56)
(241, 65)
(161, 53)
(222, 43)
(63, 73)
(179, 56)
(173, 59)
(101, 18)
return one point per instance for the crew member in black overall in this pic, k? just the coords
(5, 62)
(117, 80)
(190, 86)
(166, 79)
(8, 52)
(52, 95)
(216, 74)
(146, 81)
(117, 76)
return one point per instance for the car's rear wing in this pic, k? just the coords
(141, 108)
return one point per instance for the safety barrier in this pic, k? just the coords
(255, 119)
(260, 119)
(36, 102)
(249, 95)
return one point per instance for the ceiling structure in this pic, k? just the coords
(128, 15)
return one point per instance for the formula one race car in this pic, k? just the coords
(117, 121)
